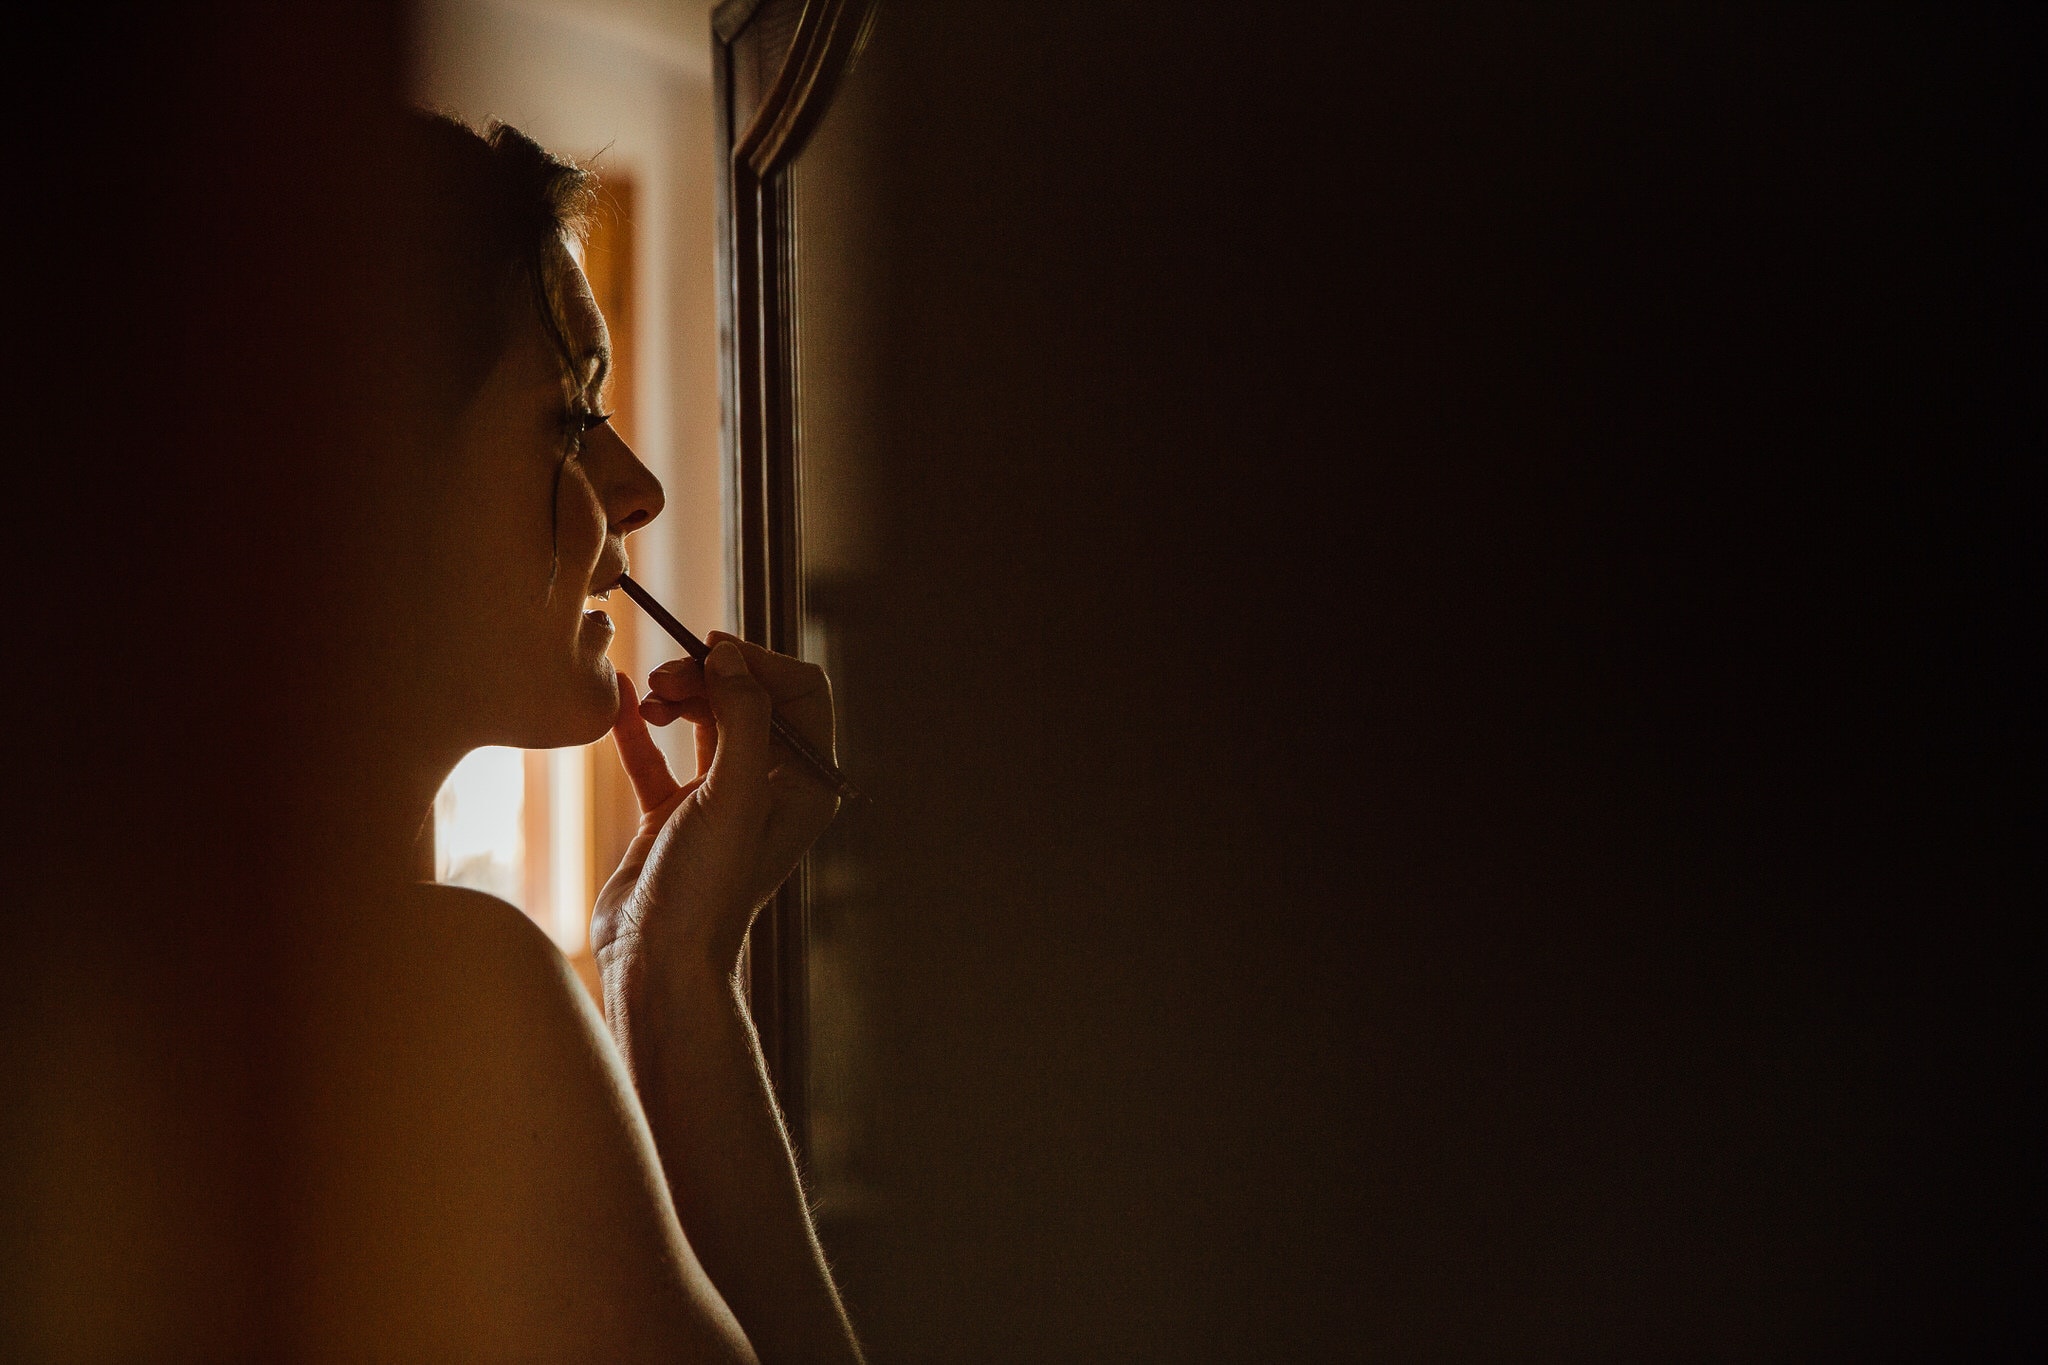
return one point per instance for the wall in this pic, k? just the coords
(236, 405)
(1439, 630)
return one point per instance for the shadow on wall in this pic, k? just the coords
(1426, 628)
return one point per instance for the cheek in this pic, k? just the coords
(579, 527)
(505, 546)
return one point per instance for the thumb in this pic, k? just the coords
(739, 770)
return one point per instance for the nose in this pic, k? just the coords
(631, 494)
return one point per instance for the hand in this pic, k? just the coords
(710, 852)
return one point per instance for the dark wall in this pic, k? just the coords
(208, 409)
(1444, 683)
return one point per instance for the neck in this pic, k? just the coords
(381, 777)
(413, 812)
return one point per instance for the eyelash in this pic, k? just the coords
(582, 422)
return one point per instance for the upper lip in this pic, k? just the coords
(605, 585)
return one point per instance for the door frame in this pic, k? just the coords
(762, 127)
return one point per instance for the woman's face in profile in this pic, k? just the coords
(543, 494)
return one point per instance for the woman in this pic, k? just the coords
(500, 1171)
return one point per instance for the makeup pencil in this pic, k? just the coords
(782, 729)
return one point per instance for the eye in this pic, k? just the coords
(579, 421)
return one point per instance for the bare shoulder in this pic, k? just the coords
(487, 1182)
(495, 948)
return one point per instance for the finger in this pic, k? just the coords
(707, 747)
(802, 692)
(646, 769)
(739, 768)
(784, 678)
(656, 711)
(677, 680)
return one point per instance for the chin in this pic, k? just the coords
(598, 703)
(581, 712)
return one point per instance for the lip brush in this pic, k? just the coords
(782, 729)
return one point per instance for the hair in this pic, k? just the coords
(494, 204)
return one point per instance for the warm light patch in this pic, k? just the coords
(568, 918)
(478, 840)
(517, 824)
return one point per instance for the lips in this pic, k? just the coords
(596, 620)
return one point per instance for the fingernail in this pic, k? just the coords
(725, 660)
